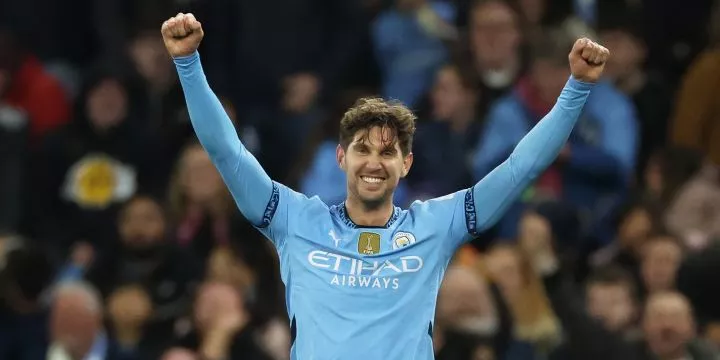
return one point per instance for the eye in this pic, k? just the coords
(361, 149)
(388, 152)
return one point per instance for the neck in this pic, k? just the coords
(367, 215)
(128, 336)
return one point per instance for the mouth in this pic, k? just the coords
(374, 180)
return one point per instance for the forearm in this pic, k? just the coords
(250, 186)
(533, 154)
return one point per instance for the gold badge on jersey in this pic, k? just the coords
(369, 243)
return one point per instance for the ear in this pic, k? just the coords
(407, 163)
(340, 157)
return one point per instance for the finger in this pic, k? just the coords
(579, 46)
(586, 53)
(191, 23)
(165, 30)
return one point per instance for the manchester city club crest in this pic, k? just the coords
(402, 239)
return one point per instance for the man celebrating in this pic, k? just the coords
(362, 277)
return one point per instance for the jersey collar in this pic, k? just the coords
(342, 212)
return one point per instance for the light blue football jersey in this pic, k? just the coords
(355, 292)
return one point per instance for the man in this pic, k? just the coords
(362, 277)
(76, 324)
(611, 298)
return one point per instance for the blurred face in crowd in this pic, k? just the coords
(660, 262)
(129, 307)
(107, 104)
(505, 267)
(201, 182)
(634, 229)
(142, 224)
(612, 304)
(74, 323)
(628, 54)
(668, 325)
(549, 78)
(465, 303)
(533, 10)
(151, 60)
(213, 302)
(225, 267)
(374, 164)
(450, 98)
(494, 35)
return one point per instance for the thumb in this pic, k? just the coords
(579, 46)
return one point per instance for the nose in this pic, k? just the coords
(373, 163)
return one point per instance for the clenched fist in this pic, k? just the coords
(182, 34)
(587, 60)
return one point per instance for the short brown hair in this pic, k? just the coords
(370, 112)
(613, 275)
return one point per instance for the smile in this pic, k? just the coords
(372, 179)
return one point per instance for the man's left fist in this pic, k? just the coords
(587, 60)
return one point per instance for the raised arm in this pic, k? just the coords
(250, 186)
(540, 147)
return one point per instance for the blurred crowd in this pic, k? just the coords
(119, 240)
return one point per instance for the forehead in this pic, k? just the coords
(377, 136)
(492, 12)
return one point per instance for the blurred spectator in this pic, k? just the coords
(145, 257)
(694, 213)
(639, 221)
(661, 259)
(129, 309)
(286, 58)
(536, 330)
(13, 162)
(583, 337)
(409, 46)
(601, 148)
(165, 100)
(495, 39)
(667, 171)
(27, 92)
(76, 324)
(443, 145)
(612, 298)
(670, 331)
(221, 326)
(696, 120)
(86, 169)
(468, 318)
(622, 35)
(202, 211)
(25, 274)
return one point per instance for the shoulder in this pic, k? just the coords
(297, 200)
(430, 207)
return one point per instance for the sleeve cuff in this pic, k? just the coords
(187, 59)
(579, 85)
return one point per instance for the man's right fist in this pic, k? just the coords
(182, 34)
